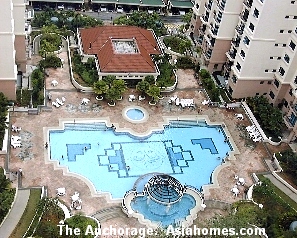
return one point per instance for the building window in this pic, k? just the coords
(284, 45)
(278, 58)
(292, 45)
(269, 82)
(238, 66)
(256, 13)
(274, 70)
(290, 31)
(252, 27)
(286, 103)
(276, 83)
(286, 17)
(287, 58)
(281, 71)
(271, 94)
(293, 2)
(295, 80)
(270, 57)
(242, 53)
(261, 82)
(246, 40)
(291, 92)
(281, 31)
(275, 44)
(295, 17)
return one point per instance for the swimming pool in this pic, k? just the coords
(112, 161)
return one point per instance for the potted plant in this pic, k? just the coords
(100, 88)
(154, 92)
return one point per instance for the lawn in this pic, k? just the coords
(28, 214)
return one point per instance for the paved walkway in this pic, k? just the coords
(282, 187)
(16, 212)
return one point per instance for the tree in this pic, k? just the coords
(100, 87)
(109, 79)
(150, 79)
(113, 94)
(154, 92)
(143, 87)
(120, 85)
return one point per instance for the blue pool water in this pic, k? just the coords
(135, 114)
(112, 161)
(157, 212)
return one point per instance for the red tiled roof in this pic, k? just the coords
(98, 41)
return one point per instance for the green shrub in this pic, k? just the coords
(185, 63)
(81, 222)
(51, 61)
(6, 195)
(269, 117)
(177, 43)
(87, 71)
(204, 73)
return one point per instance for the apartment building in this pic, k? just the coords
(13, 45)
(253, 43)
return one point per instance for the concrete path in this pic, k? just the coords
(282, 187)
(16, 212)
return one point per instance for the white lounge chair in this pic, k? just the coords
(257, 139)
(59, 101)
(55, 104)
(239, 116)
(63, 99)
(61, 191)
(250, 128)
(131, 98)
(140, 98)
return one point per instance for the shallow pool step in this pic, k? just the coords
(86, 126)
(109, 213)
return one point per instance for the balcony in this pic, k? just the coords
(239, 29)
(202, 29)
(248, 3)
(208, 5)
(288, 122)
(208, 54)
(214, 31)
(218, 19)
(244, 16)
(235, 42)
(204, 18)
(231, 54)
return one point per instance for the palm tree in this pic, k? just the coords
(109, 79)
(112, 94)
(150, 79)
(143, 87)
(120, 85)
(154, 92)
(100, 87)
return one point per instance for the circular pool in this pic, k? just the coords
(135, 114)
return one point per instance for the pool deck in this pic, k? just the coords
(37, 172)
